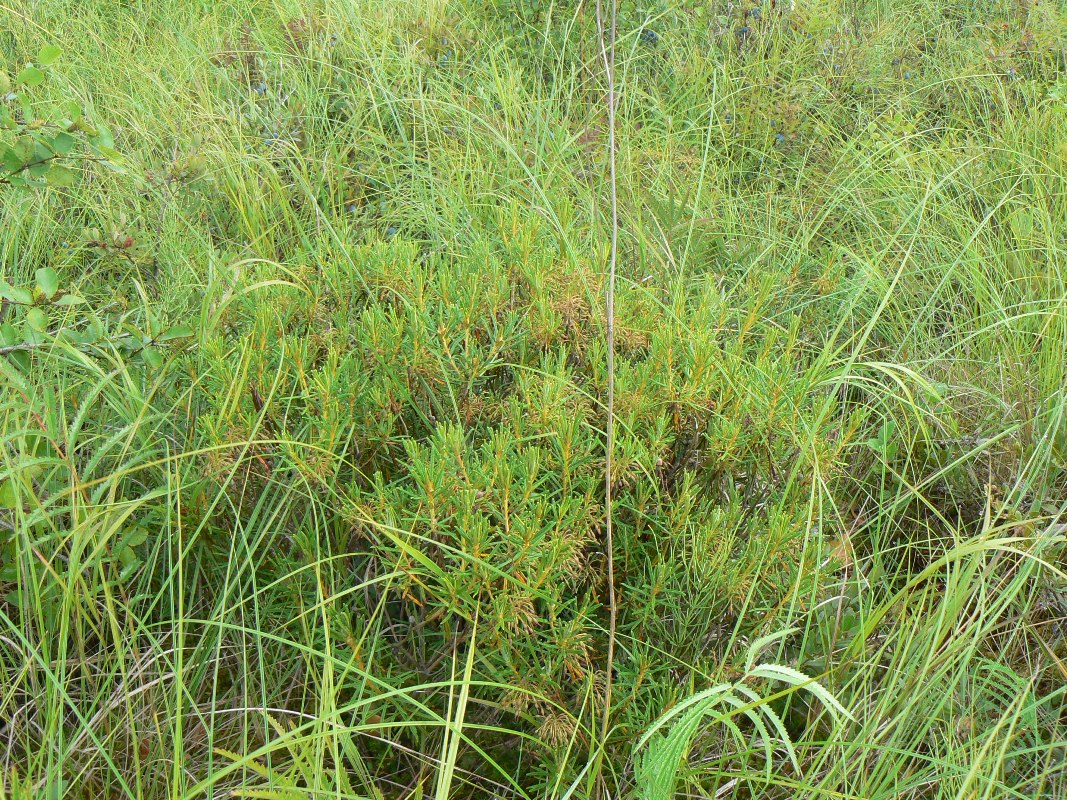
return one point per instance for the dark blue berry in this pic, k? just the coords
(756, 13)
(649, 36)
(390, 231)
(780, 138)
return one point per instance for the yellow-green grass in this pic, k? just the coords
(310, 503)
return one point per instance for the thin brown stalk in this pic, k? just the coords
(607, 51)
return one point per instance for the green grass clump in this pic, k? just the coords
(304, 373)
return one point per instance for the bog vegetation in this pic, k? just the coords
(303, 379)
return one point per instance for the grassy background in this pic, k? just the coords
(345, 539)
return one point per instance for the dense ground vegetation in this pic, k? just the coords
(303, 380)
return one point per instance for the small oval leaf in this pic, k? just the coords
(48, 282)
(152, 357)
(48, 55)
(37, 319)
(59, 175)
(13, 295)
(30, 76)
(63, 143)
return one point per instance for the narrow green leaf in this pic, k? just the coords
(707, 696)
(658, 772)
(68, 300)
(177, 332)
(761, 706)
(454, 733)
(761, 643)
(795, 678)
(761, 729)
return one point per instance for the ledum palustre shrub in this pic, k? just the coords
(451, 406)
